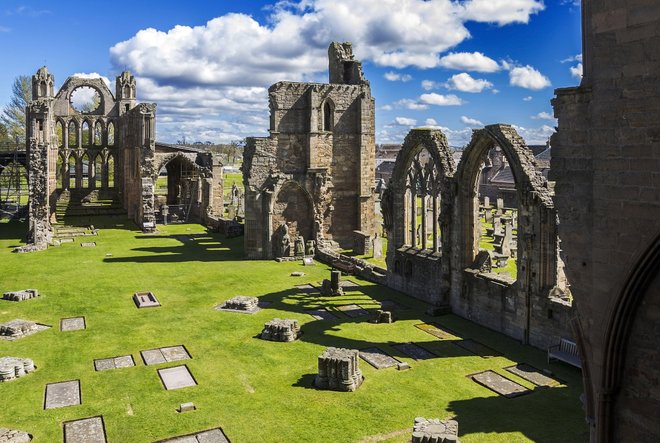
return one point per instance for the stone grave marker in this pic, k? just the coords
(16, 329)
(321, 314)
(378, 358)
(211, 436)
(348, 284)
(437, 331)
(145, 300)
(88, 244)
(307, 289)
(499, 384)
(66, 240)
(308, 261)
(176, 377)
(87, 430)
(297, 274)
(187, 407)
(72, 324)
(62, 394)
(377, 247)
(165, 355)
(487, 202)
(414, 351)
(477, 348)
(531, 374)
(434, 431)
(353, 310)
(124, 361)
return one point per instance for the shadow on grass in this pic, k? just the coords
(306, 381)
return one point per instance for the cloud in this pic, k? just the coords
(430, 122)
(395, 76)
(28, 11)
(535, 136)
(105, 79)
(543, 116)
(465, 83)
(574, 58)
(528, 78)
(576, 71)
(528, 98)
(403, 121)
(469, 61)
(471, 121)
(501, 12)
(441, 100)
(410, 104)
(427, 85)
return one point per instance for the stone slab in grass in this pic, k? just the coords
(391, 305)
(145, 300)
(124, 361)
(353, 310)
(241, 304)
(531, 374)
(72, 324)
(66, 240)
(437, 331)
(176, 377)
(18, 328)
(378, 358)
(211, 436)
(414, 351)
(307, 289)
(88, 244)
(348, 284)
(86, 430)
(321, 314)
(478, 348)
(62, 394)
(165, 355)
(499, 384)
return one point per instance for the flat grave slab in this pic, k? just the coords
(72, 324)
(145, 300)
(321, 314)
(176, 377)
(86, 430)
(353, 310)
(88, 244)
(531, 374)
(164, 355)
(348, 284)
(124, 361)
(62, 394)
(414, 351)
(378, 358)
(477, 348)
(499, 384)
(18, 328)
(211, 436)
(437, 331)
(307, 289)
(66, 240)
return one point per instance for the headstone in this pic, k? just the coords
(281, 330)
(335, 276)
(500, 206)
(297, 274)
(487, 202)
(25, 294)
(309, 249)
(211, 436)
(145, 300)
(321, 314)
(434, 431)
(382, 317)
(72, 324)
(353, 310)
(187, 407)
(402, 366)
(308, 261)
(240, 303)
(299, 249)
(87, 430)
(477, 348)
(483, 262)
(377, 247)
(497, 383)
(164, 354)
(437, 331)
(339, 370)
(488, 216)
(414, 351)
(165, 211)
(530, 373)
(88, 244)
(176, 377)
(62, 394)
(14, 367)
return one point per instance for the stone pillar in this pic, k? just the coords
(335, 276)
(338, 370)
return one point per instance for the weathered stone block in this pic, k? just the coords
(434, 431)
(338, 370)
(281, 330)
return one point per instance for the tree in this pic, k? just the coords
(13, 115)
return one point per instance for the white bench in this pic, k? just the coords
(565, 351)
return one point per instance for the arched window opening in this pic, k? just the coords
(13, 186)
(111, 171)
(43, 89)
(73, 134)
(59, 132)
(496, 218)
(71, 173)
(111, 134)
(58, 173)
(422, 203)
(327, 116)
(85, 171)
(98, 172)
(85, 133)
(177, 188)
(98, 134)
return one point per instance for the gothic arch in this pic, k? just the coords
(327, 120)
(292, 204)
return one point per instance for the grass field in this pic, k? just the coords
(257, 391)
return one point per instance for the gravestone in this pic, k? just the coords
(353, 310)
(241, 303)
(382, 317)
(434, 431)
(14, 367)
(87, 430)
(339, 370)
(377, 247)
(308, 261)
(145, 300)
(483, 262)
(281, 330)
(299, 246)
(414, 351)
(187, 407)
(531, 374)
(89, 244)
(72, 324)
(488, 216)
(124, 361)
(335, 277)
(25, 294)
(500, 206)
(487, 202)
(437, 331)
(477, 348)
(378, 358)
(211, 436)
(321, 314)
(176, 377)
(309, 248)
(14, 436)
(499, 384)
(62, 394)
(164, 355)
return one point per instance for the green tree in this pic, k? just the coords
(13, 115)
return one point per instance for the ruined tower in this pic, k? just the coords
(315, 173)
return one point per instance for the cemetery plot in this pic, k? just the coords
(377, 358)
(15, 329)
(353, 310)
(499, 384)
(477, 348)
(211, 436)
(88, 244)
(62, 394)
(165, 355)
(145, 300)
(414, 351)
(124, 361)
(307, 289)
(348, 284)
(321, 314)
(87, 430)
(531, 374)
(176, 377)
(437, 331)
(72, 324)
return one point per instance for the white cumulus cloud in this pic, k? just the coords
(501, 12)
(404, 121)
(529, 98)
(469, 61)
(470, 121)
(535, 136)
(427, 85)
(465, 83)
(527, 77)
(440, 99)
(576, 71)
(543, 116)
(396, 77)
(430, 122)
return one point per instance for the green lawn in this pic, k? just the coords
(257, 391)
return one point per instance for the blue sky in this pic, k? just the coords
(451, 64)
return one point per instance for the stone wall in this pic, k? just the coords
(317, 131)
(605, 161)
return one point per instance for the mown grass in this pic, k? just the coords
(257, 391)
